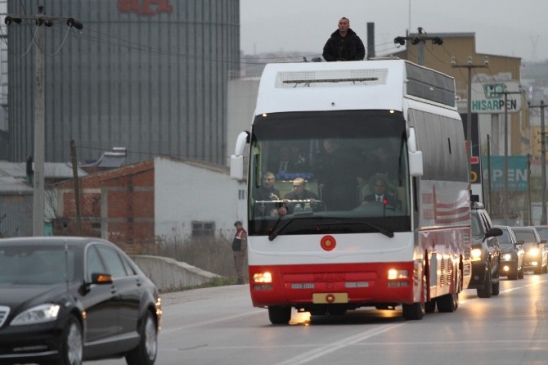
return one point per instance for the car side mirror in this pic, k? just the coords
(493, 232)
(99, 279)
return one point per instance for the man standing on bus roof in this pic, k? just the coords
(344, 44)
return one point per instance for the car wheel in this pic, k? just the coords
(538, 270)
(513, 275)
(495, 290)
(73, 345)
(279, 315)
(485, 292)
(145, 353)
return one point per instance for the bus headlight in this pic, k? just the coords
(394, 274)
(262, 277)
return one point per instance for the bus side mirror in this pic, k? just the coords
(416, 168)
(415, 164)
(237, 167)
(237, 159)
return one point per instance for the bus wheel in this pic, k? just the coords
(412, 311)
(430, 306)
(279, 315)
(448, 303)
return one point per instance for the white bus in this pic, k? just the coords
(348, 127)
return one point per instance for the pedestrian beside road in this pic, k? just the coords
(239, 250)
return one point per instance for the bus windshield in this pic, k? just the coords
(329, 172)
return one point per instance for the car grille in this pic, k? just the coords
(4, 311)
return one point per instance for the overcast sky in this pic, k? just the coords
(517, 28)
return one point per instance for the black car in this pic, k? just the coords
(485, 252)
(511, 260)
(536, 257)
(64, 300)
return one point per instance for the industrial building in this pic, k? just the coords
(149, 76)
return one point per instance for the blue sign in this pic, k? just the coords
(518, 178)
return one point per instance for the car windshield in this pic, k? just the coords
(505, 238)
(477, 228)
(543, 232)
(525, 236)
(35, 265)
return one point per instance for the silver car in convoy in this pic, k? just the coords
(511, 258)
(536, 257)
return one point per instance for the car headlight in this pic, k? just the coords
(533, 251)
(475, 254)
(39, 314)
(507, 257)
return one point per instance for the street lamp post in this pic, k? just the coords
(543, 164)
(543, 218)
(469, 66)
(505, 187)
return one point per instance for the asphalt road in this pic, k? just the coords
(219, 326)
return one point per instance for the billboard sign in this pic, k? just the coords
(517, 173)
(488, 98)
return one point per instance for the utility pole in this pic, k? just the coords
(470, 65)
(418, 39)
(40, 20)
(505, 189)
(542, 159)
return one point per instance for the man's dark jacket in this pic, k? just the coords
(349, 48)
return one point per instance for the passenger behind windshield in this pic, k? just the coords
(301, 195)
(337, 179)
(265, 194)
(382, 160)
(380, 185)
(286, 162)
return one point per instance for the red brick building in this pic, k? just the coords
(116, 204)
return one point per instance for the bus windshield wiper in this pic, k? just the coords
(386, 232)
(278, 228)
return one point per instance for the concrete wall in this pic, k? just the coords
(185, 193)
(171, 275)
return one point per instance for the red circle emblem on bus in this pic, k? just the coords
(328, 243)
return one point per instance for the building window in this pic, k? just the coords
(203, 229)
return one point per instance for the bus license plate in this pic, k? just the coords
(329, 298)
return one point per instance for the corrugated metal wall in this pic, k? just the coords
(15, 211)
(148, 77)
